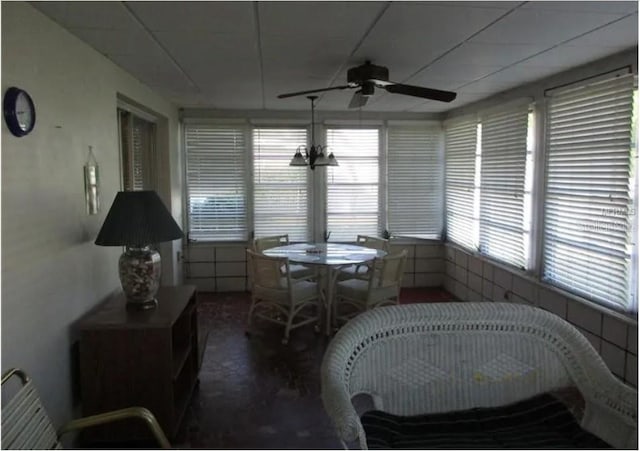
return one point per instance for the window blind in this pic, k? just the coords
(587, 221)
(280, 191)
(137, 144)
(352, 187)
(414, 181)
(502, 184)
(216, 200)
(460, 168)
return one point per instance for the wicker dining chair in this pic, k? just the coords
(362, 270)
(382, 287)
(267, 242)
(275, 293)
(26, 424)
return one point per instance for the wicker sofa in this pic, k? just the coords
(431, 358)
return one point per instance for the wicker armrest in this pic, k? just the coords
(345, 418)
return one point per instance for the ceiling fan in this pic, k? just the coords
(367, 77)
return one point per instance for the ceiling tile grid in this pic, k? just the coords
(241, 55)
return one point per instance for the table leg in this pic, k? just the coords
(329, 300)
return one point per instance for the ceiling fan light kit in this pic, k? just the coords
(315, 155)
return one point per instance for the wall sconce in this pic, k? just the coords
(91, 184)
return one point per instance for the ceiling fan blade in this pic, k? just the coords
(299, 93)
(358, 100)
(418, 91)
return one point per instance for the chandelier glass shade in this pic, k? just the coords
(316, 155)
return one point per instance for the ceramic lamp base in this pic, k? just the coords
(139, 270)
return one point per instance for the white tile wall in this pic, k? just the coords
(428, 280)
(614, 357)
(472, 278)
(585, 317)
(614, 330)
(231, 269)
(553, 302)
(524, 289)
(200, 270)
(231, 254)
(223, 267)
(595, 341)
(631, 373)
(632, 339)
(475, 282)
(475, 265)
(502, 278)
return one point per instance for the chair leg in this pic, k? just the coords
(287, 328)
(247, 330)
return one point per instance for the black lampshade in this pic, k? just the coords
(137, 218)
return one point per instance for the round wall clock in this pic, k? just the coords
(19, 111)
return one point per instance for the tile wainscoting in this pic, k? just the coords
(615, 337)
(223, 267)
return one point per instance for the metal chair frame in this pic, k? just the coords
(26, 424)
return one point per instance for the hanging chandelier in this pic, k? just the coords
(314, 156)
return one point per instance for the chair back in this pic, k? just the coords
(267, 242)
(388, 270)
(372, 242)
(267, 271)
(25, 423)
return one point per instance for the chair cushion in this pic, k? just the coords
(538, 422)
(358, 289)
(302, 291)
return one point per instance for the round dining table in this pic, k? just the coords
(330, 257)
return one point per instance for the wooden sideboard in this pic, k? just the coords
(148, 358)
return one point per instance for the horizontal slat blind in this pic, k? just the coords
(140, 136)
(414, 181)
(460, 156)
(352, 187)
(216, 201)
(504, 155)
(587, 222)
(280, 191)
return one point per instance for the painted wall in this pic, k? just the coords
(52, 273)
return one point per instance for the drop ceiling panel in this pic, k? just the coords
(606, 7)
(566, 56)
(622, 34)
(491, 54)
(218, 55)
(412, 34)
(322, 20)
(450, 74)
(241, 55)
(438, 107)
(320, 59)
(121, 42)
(97, 15)
(153, 69)
(223, 17)
(234, 94)
(382, 101)
(530, 26)
(478, 4)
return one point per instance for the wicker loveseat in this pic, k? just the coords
(431, 358)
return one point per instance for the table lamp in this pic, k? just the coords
(136, 220)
